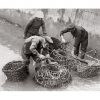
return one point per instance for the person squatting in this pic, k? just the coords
(33, 47)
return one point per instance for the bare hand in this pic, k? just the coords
(62, 39)
(42, 56)
(47, 56)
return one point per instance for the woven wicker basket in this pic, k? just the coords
(52, 76)
(81, 69)
(64, 58)
(85, 71)
(89, 72)
(59, 57)
(15, 71)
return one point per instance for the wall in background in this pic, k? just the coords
(56, 20)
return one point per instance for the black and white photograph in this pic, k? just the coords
(50, 49)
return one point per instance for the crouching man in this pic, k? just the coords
(81, 38)
(33, 47)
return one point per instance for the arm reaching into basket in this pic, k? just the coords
(70, 28)
(34, 48)
(81, 38)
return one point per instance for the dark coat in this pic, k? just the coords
(33, 27)
(79, 33)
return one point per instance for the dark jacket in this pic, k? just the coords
(33, 27)
(79, 33)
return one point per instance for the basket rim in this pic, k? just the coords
(54, 64)
(12, 70)
(64, 56)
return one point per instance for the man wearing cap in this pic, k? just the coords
(34, 25)
(33, 47)
(81, 38)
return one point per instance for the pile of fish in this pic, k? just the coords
(52, 75)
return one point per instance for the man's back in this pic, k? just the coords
(33, 27)
(81, 32)
(34, 41)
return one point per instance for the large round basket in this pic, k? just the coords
(82, 69)
(52, 76)
(15, 71)
(85, 71)
(64, 57)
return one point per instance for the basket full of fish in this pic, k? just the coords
(51, 75)
(89, 69)
(83, 68)
(15, 71)
(64, 57)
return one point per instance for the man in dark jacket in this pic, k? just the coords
(81, 38)
(34, 25)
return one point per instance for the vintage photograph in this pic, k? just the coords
(49, 49)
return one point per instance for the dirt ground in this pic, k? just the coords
(11, 40)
